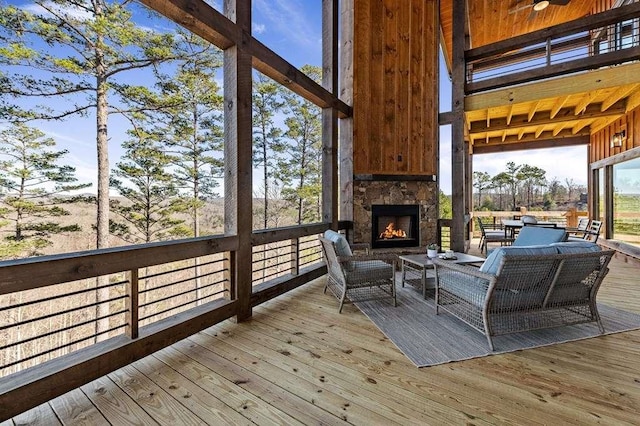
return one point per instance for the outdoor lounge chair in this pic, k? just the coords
(357, 277)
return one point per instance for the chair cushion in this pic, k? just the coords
(535, 236)
(576, 247)
(492, 263)
(369, 270)
(342, 246)
(528, 219)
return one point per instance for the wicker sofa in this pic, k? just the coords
(525, 288)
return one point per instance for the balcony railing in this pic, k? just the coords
(605, 39)
(61, 326)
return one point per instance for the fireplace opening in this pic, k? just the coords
(394, 225)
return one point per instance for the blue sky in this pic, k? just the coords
(292, 28)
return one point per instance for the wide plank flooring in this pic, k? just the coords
(298, 361)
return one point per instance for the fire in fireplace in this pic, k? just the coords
(394, 225)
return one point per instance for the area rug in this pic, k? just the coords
(428, 339)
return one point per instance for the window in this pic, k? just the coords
(626, 201)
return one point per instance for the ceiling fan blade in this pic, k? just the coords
(517, 9)
(559, 2)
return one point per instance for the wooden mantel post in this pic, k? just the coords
(238, 179)
(458, 168)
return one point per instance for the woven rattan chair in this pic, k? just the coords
(357, 277)
(491, 236)
(528, 291)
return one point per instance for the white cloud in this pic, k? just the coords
(69, 12)
(258, 28)
(287, 18)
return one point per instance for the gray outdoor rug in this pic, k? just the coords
(429, 339)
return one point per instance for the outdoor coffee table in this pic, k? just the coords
(415, 266)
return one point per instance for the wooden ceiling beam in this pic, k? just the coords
(621, 92)
(558, 105)
(604, 123)
(510, 114)
(558, 129)
(580, 125)
(205, 21)
(564, 86)
(543, 117)
(507, 146)
(633, 102)
(532, 111)
(582, 105)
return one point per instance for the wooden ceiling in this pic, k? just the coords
(555, 112)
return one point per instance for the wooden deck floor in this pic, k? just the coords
(299, 362)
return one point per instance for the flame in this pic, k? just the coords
(391, 232)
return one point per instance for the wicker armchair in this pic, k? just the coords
(357, 277)
(531, 288)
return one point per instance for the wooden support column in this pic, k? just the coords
(346, 124)
(238, 212)
(458, 169)
(133, 313)
(330, 115)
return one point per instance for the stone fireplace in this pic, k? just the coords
(377, 202)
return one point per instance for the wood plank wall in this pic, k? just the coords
(600, 147)
(395, 87)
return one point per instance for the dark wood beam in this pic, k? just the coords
(608, 17)
(445, 118)
(583, 64)
(329, 115)
(544, 117)
(238, 164)
(213, 26)
(458, 167)
(494, 147)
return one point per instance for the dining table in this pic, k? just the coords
(511, 226)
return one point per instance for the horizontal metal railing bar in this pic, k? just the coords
(267, 236)
(67, 267)
(67, 328)
(174, 307)
(266, 268)
(274, 246)
(275, 274)
(539, 51)
(171, 296)
(277, 256)
(60, 296)
(66, 345)
(172, 283)
(574, 66)
(67, 311)
(309, 262)
(184, 268)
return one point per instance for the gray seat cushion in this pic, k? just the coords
(342, 246)
(369, 270)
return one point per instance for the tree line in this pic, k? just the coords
(72, 59)
(523, 185)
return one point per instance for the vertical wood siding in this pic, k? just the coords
(600, 147)
(395, 87)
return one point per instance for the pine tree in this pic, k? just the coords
(267, 137)
(32, 181)
(302, 172)
(152, 201)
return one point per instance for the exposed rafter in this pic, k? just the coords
(618, 94)
(559, 104)
(541, 118)
(587, 98)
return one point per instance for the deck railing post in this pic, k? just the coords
(133, 312)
